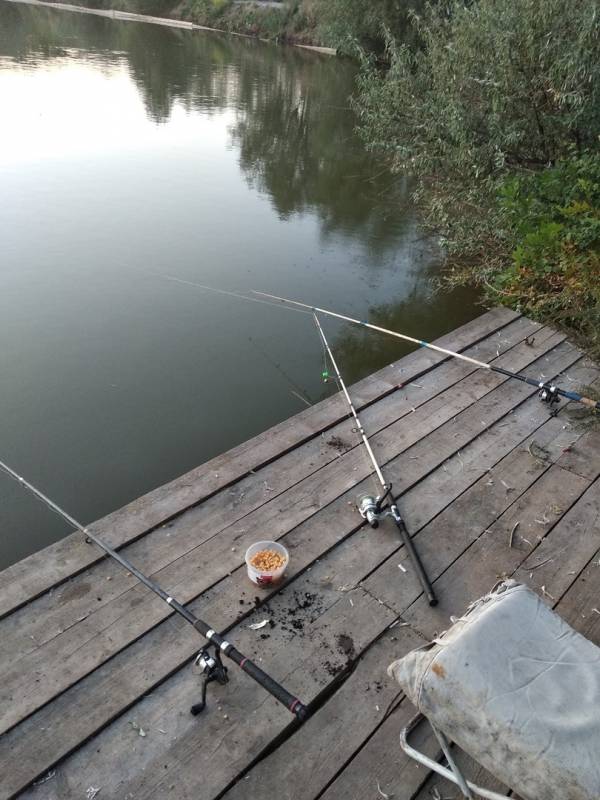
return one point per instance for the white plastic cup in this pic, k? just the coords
(264, 578)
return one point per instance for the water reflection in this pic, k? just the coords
(293, 128)
(295, 140)
(412, 315)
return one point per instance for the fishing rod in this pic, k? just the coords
(548, 392)
(210, 664)
(372, 508)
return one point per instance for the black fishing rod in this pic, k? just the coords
(372, 508)
(210, 664)
(548, 392)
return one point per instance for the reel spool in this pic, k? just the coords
(369, 509)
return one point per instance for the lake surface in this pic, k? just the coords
(129, 152)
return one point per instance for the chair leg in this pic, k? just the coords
(460, 778)
(453, 774)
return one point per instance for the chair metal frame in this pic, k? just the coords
(453, 773)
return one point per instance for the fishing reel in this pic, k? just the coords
(370, 508)
(548, 394)
(212, 669)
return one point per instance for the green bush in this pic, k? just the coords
(286, 22)
(497, 114)
(554, 269)
(496, 84)
(346, 24)
(207, 12)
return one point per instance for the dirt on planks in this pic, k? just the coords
(296, 618)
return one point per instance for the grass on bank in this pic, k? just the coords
(547, 258)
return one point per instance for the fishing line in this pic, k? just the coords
(328, 356)
(210, 663)
(371, 508)
(300, 392)
(548, 392)
(227, 292)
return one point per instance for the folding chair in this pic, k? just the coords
(518, 690)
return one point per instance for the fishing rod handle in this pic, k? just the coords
(414, 556)
(270, 685)
(266, 681)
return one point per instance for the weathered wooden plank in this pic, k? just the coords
(444, 540)
(381, 763)
(122, 680)
(311, 759)
(69, 731)
(473, 453)
(489, 558)
(72, 654)
(47, 617)
(436, 786)
(32, 576)
(560, 557)
(580, 605)
(494, 443)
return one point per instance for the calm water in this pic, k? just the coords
(129, 151)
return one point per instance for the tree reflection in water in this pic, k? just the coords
(292, 125)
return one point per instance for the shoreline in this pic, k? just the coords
(127, 16)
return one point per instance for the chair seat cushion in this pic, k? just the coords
(517, 689)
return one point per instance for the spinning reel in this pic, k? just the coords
(212, 669)
(548, 394)
(370, 508)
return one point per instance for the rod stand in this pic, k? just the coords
(212, 669)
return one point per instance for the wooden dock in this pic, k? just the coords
(96, 672)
